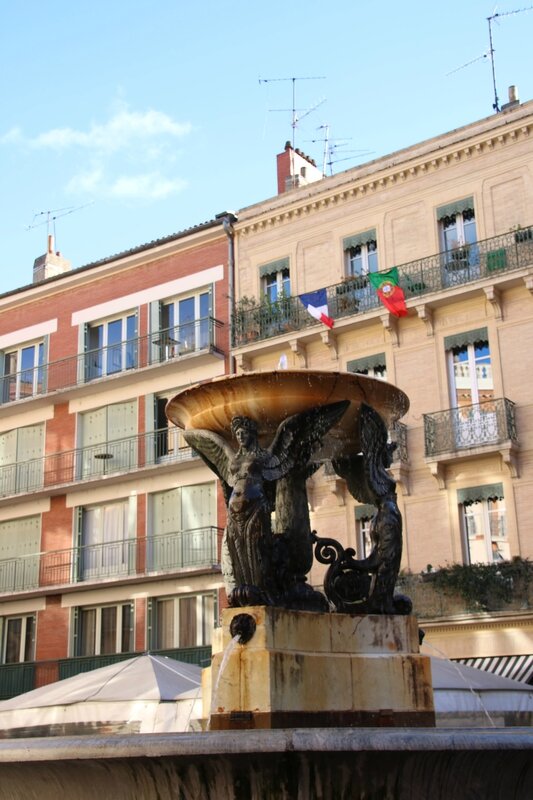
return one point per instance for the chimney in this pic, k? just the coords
(51, 264)
(295, 169)
(513, 99)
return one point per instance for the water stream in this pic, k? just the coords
(443, 655)
(228, 650)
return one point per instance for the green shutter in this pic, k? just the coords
(457, 207)
(475, 494)
(75, 621)
(273, 267)
(459, 340)
(368, 362)
(359, 239)
(366, 511)
(150, 624)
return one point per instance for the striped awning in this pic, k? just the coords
(518, 668)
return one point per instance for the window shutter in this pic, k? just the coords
(457, 207)
(273, 267)
(368, 362)
(367, 511)
(75, 631)
(359, 239)
(46, 359)
(459, 340)
(476, 494)
(84, 371)
(156, 324)
(150, 624)
(4, 384)
(78, 542)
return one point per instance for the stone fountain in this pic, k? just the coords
(312, 695)
(288, 655)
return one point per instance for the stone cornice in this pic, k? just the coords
(434, 155)
(471, 622)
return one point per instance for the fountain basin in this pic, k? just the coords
(270, 397)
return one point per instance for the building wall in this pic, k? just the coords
(398, 196)
(59, 309)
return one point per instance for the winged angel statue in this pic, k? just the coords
(261, 567)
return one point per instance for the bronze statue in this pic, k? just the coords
(367, 585)
(262, 566)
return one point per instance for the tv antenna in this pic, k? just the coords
(490, 52)
(334, 147)
(51, 215)
(297, 114)
(497, 15)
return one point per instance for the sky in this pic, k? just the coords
(125, 121)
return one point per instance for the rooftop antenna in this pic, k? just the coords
(296, 117)
(51, 215)
(496, 15)
(490, 52)
(332, 146)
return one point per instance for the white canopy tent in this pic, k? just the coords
(144, 694)
(466, 694)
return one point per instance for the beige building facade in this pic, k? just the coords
(453, 214)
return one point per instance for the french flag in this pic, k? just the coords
(317, 305)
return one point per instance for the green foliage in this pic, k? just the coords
(486, 587)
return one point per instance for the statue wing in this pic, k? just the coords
(299, 436)
(377, 451)
(215, 452)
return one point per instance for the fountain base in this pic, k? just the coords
(302, 669)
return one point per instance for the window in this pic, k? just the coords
(21, 459)
(471, 388)
(169, 443)
(103, 630)
(374, 366)
(275, 280)
(181, 530)
(363, 523)
(106, 536)
(23, 372)
(484, 524)
(361, 253)
(18, 638)
(458, 237)
(108, 438)
(183, 326)
(20, 544)
(183, 621)
(110, 346)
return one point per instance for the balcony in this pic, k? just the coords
(23, 677)
(113, 561)
(490, 258)
(470, 431)
(168, 345)
(99, 461)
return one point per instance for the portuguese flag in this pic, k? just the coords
(389, 292)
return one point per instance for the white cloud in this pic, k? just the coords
(90, 181)
(123, 129)
(151, 186)
(11, 136)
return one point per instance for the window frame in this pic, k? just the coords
(26, 649)
(97, 355)
(178, 337)
(37, 368)
(485, 516)
(120, 629)
(206, 614)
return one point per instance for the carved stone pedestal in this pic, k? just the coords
(302, 669)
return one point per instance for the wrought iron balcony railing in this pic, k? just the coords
(25, 676)
(170, 552)
(354, 295)
(169, 344)
(86, 463)
(490, 422)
